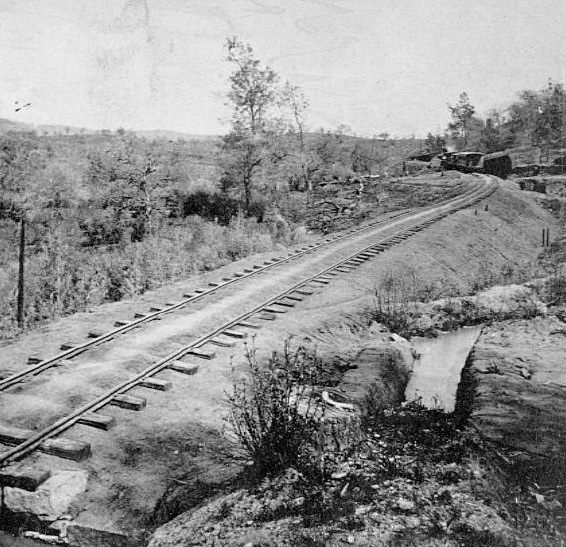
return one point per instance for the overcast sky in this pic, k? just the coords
(375, 65)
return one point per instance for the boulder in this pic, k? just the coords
(51, 499)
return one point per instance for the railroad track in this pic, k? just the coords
(37, 366)
(236, 327)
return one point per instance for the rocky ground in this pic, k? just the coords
(423, 477)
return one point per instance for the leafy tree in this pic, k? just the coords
(462, 117)
(539, 117)
(435, 144)
(253, 96)
(131, 179)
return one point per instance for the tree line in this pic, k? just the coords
(535, 118)
(101, 216)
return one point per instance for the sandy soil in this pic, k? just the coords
(134, 462)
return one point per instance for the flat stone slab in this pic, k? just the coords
(61, 447)
(23, 476)
(51, 499)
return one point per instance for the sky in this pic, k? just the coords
(374, 65)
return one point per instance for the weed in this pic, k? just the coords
(275, 411)
(395, 303)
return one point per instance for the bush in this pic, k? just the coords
(275, 412)
(211, 206)
(395, 303)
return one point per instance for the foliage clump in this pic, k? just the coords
(275, 410)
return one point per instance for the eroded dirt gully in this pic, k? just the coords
(167, 443)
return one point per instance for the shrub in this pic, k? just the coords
(274, 411)
(395, 303)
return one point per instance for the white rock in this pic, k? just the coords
(51, 499)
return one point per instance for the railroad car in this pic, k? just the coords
(498, 164)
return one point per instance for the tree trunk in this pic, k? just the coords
(247, 194)
(20, 309)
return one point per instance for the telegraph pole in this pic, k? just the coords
(21, 264)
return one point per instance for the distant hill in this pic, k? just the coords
(173, 135)
(9, 125)
(42, 129)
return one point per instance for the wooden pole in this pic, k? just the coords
(20, 309)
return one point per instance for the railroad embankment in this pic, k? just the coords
(489, 474)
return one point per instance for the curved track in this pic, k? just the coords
(416, 221)
(125, 327)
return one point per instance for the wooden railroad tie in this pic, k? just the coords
(202, 353)
(67, 346)
(285, 304)
(156, 383)
(24, 477)
(61, 447)
(184, 368)
(273, 310)
(235, 334)
(223, 343)
(128, 402)
(249, 325)
(99, 421)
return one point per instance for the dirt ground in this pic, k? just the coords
(134, 463)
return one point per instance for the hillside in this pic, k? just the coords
(65, 130)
